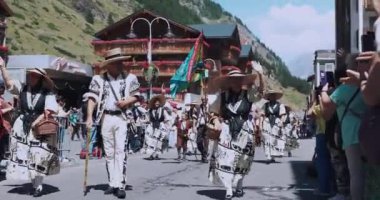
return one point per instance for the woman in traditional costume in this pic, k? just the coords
(158, 127)
(32, 157)
(274, 117)
(236, 145)
(290, 131)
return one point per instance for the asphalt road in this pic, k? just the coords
(168, 179)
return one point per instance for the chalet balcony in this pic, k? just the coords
(140, 46)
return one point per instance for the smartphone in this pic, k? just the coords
(368, 41)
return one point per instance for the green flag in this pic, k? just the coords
(179, 80)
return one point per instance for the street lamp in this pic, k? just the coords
(214, 69)
(132, 35)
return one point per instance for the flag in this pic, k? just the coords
(184, 74)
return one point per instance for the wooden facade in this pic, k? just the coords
(224, 41)
(245, 59)
(167, 53)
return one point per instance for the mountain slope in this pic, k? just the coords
(66, 28)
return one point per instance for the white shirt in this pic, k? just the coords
(104, 97)
(50, 100)
(110, 102)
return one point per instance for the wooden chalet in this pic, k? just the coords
(167, 53)
(224, 43)
(5, 12)
(246, 58)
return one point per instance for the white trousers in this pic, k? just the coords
(114, 133)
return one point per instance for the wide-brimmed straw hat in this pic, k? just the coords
(232, 78)
(49, 84)
(160, 98)
(114, 55)
(276, 94)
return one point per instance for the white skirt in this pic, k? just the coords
(233, 158)
(154, 138)
(31, 157)
(274, 139)
(192, 142)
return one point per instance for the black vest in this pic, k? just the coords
(235, 120)
(156, 120)
(273, 114)
(38, 108)
(31, 115)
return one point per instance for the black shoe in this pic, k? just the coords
(150, 158)
(239, 193)
(120, 193)
(109, 190)
(289, 154)
(228, 197)
(37, 193)
(157, 158)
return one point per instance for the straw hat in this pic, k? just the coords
(114, 55)
(160, 98)
(48, 82)
(232, 78)
(269, 93)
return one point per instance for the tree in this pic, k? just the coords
(89, 17)
(110, 19)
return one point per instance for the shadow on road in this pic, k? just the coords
(213, 194)
(171, 162)
(2, 177)
(104, 187)
(26, 188)
(265, 162)
(304, 184)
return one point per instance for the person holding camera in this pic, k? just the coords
(348, 102)
(322, 160)
(32, 155)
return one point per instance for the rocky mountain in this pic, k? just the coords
(66, 27)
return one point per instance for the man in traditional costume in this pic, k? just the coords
(213, 132)
(114, 92)
(273, 122)
(32, 156)
(158, 127)
(135, 129)
(236, 145)
(201, 120)
(183, 128)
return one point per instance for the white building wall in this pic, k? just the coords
(355, 26)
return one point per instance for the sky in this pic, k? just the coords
(293, 29)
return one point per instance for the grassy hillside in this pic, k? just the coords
(53, 27)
